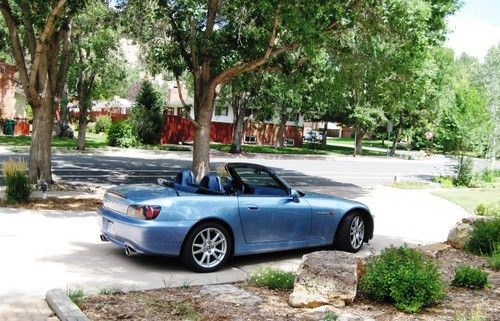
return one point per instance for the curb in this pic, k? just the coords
(63, 307)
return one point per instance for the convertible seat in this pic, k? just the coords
(184, 181)
(211, 184)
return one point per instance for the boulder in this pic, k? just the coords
(460, 234)
(326, 278)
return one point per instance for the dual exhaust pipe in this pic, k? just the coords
(129, 251)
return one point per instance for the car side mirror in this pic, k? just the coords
(294, 196)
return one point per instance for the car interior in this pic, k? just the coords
(212, 184)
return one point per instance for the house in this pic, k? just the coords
(12, 98)
(333, 129)
(13, 101)
(179, 128)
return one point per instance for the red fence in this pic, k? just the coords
(94, 114)
(178, 129)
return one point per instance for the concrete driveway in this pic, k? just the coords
(46, 249)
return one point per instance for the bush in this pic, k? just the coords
(494, 260)
(102, 124)
(490, 209)
(273, 278)
(485, 236)
(470, 277)
(445, 181)
(403, 276)
(146, 117)
(91, 127)
(464, 171)
(120, 134)
(18, 188)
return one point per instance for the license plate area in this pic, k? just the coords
(108, 226)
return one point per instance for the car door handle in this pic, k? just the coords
(252, 206)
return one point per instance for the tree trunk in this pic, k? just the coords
(325, 131)
(40, 149)
(204, 106)
(239, 109)
(82, 127)
(397, 137)
(359, 135)
(64, 107)
(280, 137)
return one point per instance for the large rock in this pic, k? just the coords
(460, 234)
(326, 278)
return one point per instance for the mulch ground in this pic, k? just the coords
(57, 203)
(189, 304)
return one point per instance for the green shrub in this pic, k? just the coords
(18, 188)
(91, 127)
(490, 209)
(272, 278)
(445, 181)
(470, 277)
(102, 124)
(120, 134)
(464, 172)
(485, 236)
(76, 295)
(494, 260)
(403, 276)
(146, 117)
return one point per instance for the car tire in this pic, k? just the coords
(207, 248)
(351, 233)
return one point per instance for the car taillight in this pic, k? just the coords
(144, 212)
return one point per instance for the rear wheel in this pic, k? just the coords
(351, 234)
(207, 248)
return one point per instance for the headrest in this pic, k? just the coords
(212, 182)
(185, 177)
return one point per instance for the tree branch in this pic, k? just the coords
(28, 25)
(65, 56)
(188, 115)
(180, 40)
(211, 14)
(17, 50)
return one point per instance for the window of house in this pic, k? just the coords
(294, 117)
(169, 111)
(250, 139)
(180, 111)
(289, 142)
(222, 111)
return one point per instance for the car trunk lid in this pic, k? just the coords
(121, 197)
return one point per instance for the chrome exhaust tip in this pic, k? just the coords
(103, 238)
(130, 251)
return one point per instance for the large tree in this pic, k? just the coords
(97, 69)
(218, 40)
(39, 38)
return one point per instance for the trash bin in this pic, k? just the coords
(10, 124)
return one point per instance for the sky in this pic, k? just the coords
(475, 27)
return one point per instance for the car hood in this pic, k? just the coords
(312, 196)
(141, 192)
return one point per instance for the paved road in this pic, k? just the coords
(130, 167)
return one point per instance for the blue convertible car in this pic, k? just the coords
(252, 211)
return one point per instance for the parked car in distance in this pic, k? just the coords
(252, 211)
(313, 136)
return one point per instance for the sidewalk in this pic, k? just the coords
(47, 249)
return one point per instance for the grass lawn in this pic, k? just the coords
(470, 198)
(409, 185)
(350, 142)
(306, 149)
(92, 141)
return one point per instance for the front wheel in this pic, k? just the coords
(350, 236)
(207, 248)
